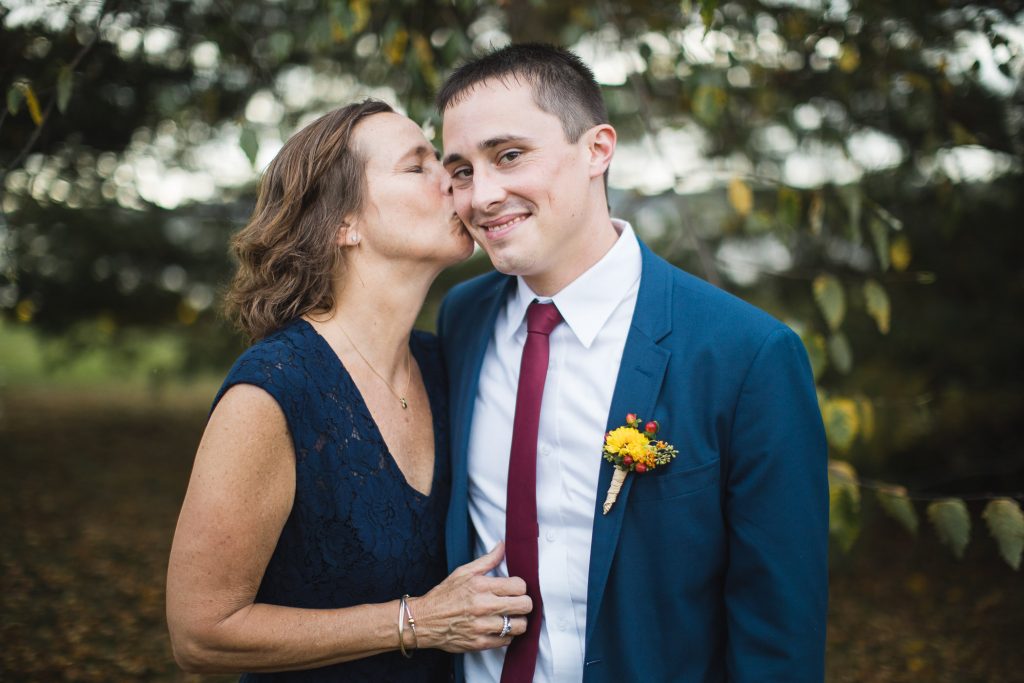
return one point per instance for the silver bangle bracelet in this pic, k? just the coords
(401, 627)
(404, 615)
(412, 622)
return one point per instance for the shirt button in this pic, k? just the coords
(551, 536)
(545, 451)
(563, 624)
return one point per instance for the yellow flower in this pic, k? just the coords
(630, 450)
(646, 457)
(626, 441)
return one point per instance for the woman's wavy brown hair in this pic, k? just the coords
(288, 254)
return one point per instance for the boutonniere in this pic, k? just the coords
(631, 449)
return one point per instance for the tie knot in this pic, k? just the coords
(542, 318)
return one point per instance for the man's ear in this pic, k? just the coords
(601, 147)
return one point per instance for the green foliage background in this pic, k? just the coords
(853, 167)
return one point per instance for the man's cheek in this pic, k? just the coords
(463, 207)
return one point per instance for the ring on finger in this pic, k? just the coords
(506, 626)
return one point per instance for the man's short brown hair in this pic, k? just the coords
(562, 84)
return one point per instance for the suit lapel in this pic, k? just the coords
(478, 337)
(479, 328)
(637, 386)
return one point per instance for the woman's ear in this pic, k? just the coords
(348, 234)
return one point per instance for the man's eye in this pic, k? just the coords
(510, 155)
(462, 173)
(415, 169)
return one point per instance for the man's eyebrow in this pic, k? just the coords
(452, 158)
(489, 143)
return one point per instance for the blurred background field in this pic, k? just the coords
(854, 167)
(94, 476)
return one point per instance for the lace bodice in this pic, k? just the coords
(358, 532)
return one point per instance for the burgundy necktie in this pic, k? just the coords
(521, 529)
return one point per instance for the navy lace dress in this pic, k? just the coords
(358, 532)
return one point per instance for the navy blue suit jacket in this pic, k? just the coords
(715, 566)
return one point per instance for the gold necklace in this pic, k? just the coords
(408, 368)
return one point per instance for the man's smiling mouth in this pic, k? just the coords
(503, 224)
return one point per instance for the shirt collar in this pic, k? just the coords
(587, 302)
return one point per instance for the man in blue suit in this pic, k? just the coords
(712, 567)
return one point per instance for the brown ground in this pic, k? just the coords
(90, 491)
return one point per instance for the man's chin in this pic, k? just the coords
(499, 255)
(506, 266)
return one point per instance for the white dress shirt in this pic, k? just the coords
(586, 351)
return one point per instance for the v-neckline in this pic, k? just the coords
(347, 377)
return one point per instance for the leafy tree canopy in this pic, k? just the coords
(851, 166)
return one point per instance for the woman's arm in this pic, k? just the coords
(238, 498)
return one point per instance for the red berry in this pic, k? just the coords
(627, 460)
(630, 418)
(641, 468)
(651, 427)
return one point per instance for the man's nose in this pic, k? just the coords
(487, 191)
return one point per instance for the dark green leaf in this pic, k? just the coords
(65, 84)
(707, 13)
(952, 523)
(831, 298)
(842, 422)
(1006, 523)
(843, 504)
(878, 305)
(840, 352)
(788, 207)
(854, 201)
(880, 236)
(14, 98)
(896, 504)
(249, 143)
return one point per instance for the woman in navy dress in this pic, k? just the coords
(310, 543)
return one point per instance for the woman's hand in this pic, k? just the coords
(466, 611)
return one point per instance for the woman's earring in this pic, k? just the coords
(353, 238)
